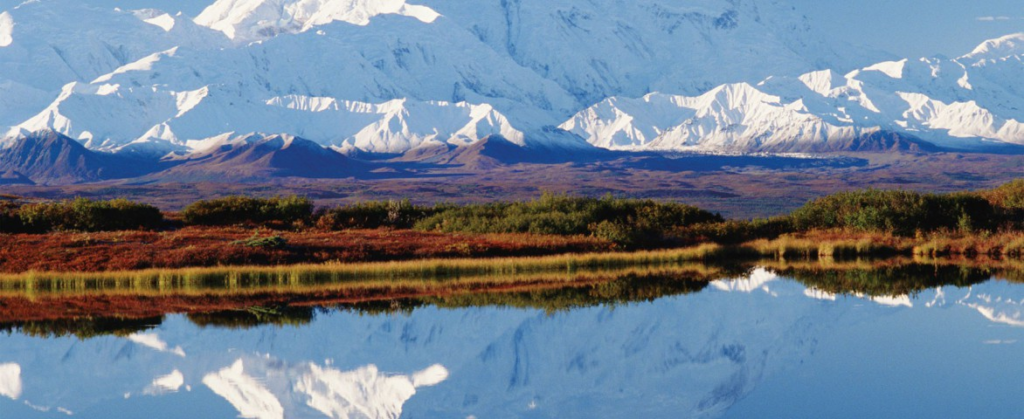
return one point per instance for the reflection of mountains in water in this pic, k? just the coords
(877, 281)
(694, 348)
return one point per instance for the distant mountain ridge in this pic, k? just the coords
(255, 156)
(392, 78)
(48, 157)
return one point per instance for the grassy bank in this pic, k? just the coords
(374, 273)
(844, 244)
(239, 231)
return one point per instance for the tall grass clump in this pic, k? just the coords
(234, 210)
(626, 222)
(80, 214)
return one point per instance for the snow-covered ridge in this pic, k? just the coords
(998, 48)
(253, 20)
(177, 121)
(930, 99)
(387, 76)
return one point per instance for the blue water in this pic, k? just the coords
(758, 346)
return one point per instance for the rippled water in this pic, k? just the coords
(753, 345)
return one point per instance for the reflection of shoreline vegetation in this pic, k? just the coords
(887, 281)
(122, 312)
(82, 328)
(378, 273)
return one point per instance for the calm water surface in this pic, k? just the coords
(760, 345)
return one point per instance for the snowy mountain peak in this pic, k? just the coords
(997, 48)
(904, 104)
(823, 82)
(253, 20)
(157, 18)
(893, 69)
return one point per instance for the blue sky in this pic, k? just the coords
(910, 28)
(906, 28)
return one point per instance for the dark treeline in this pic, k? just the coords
(631, 223)
(891, 281)
(78, 215)
(82, 327)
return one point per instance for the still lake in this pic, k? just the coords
(763, 343)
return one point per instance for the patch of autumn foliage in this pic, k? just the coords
(214, 246)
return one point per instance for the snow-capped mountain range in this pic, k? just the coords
(390, 76)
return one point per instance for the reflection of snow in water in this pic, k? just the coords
(152, 340)
(997, 309)
(10, 380)
(758, 280)
(166, 384)
(699, 353)
(1010, 318)
(245, 393)
(819, 294)
(1002, 308)
(890, 301)
(268, 388)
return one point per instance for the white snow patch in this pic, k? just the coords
(164, 21)
(143, 64)
(252, 20)
(166, 384)
(10, 380)
(893, 69)
(939, 300)
(1001, 47)
(107, 89)
(758, 280)
(819, 294)
(186, 101)
(431, 376)
(1015, 318)
(153, 341)
(892, 301)
(245, 393)
(6, 29)
(364, 392)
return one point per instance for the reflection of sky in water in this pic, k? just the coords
(749, 347)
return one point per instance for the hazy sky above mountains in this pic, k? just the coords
(903, 28)
(916, 28)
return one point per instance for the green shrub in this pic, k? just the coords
(83, 215)
(896, 211)
(734, 231)
(628, 222)
(373, 214)
(234, 210)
